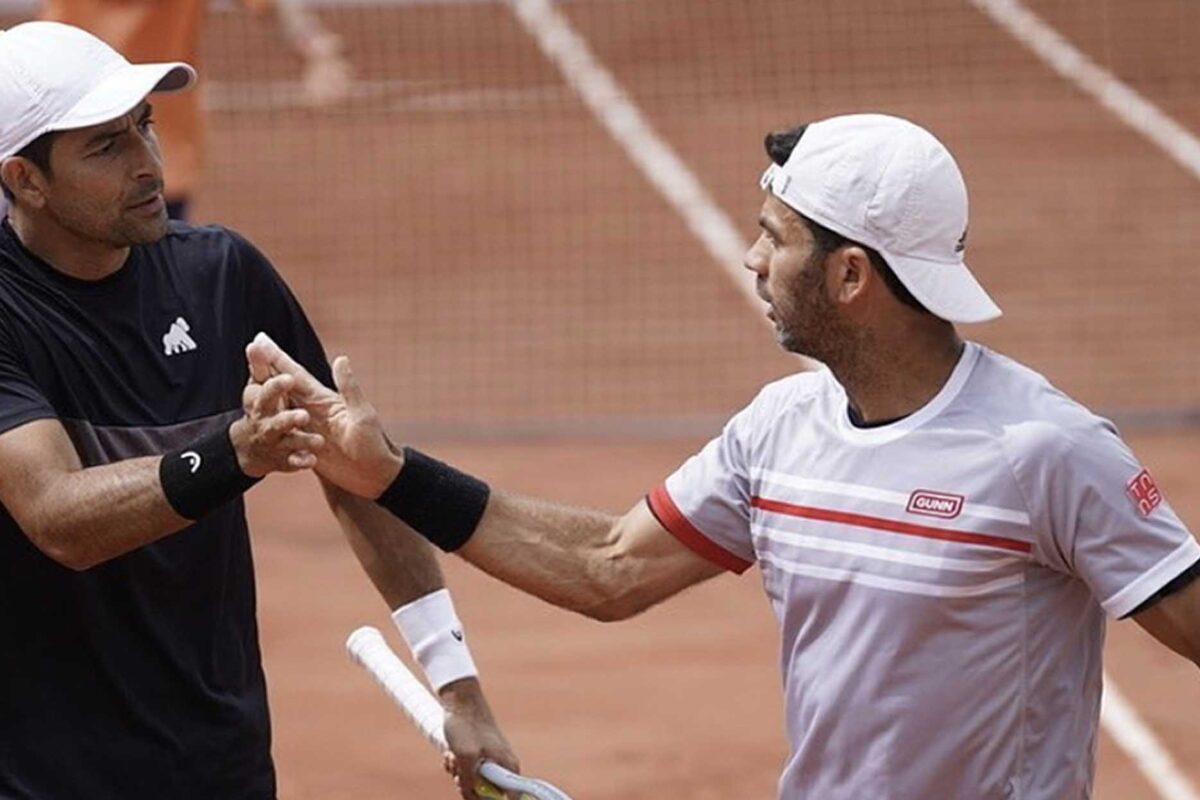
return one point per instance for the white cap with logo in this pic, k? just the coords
(892, 186)
(56, 77)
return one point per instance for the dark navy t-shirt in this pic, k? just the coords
(141, 677)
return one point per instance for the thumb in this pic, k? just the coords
(347, 384)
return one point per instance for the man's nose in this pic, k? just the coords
(148, 163)
(755, 259)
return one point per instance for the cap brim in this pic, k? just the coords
(123, 90)
(948, 291)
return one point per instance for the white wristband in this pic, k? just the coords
(435, 637)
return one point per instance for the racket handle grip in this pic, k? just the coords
(368, 648)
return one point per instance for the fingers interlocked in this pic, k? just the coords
(275, 439)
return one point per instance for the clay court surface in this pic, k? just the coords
(518, 297)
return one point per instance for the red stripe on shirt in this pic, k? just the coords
(890, 525)
(679, 526)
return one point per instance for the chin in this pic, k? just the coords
(796, 346)
(788, 343)
(142, 232)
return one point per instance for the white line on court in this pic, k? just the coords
(1117, 715)
(624, 121)
(1122, 722)
(1104, 87)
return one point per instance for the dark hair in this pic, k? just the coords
(38, 152)
(779, 146)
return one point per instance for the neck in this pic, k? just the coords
(64, 250)
(891, 376)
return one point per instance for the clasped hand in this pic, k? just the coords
(348, 446)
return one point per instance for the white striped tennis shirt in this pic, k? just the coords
(940, 582)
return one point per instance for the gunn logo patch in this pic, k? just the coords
(1144, 493)
(935, 504)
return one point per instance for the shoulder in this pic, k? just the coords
(202, 240)
(17, 267)
(211, 247)
(787, 393)
(1030, 417)
(802, 393)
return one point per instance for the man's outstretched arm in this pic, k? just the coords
(608, 568)
(604, 566)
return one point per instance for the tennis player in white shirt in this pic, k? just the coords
(941, 532)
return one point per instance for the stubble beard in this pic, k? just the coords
(120, 231)
(811, 326)
(129, 232)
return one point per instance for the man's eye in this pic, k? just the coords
(146, 123)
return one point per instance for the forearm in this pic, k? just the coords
(88, 516)
(567, 556)
(83, 517)
(594, 563)
(404, 569)
(401, 564)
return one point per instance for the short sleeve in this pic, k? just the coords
(706, 502)
(1106, 522)
(274, 309)
(21, 400)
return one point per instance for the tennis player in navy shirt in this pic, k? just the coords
(128, 433)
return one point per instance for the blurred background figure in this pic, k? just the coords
(172, 30)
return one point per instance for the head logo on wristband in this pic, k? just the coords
(202, 476)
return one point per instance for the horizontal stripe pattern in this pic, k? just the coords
(888, 496)
(805, 529)
(890, 525)
(904, 586)
(877, 553)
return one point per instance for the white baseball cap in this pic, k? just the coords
(892, 186)
(56, 77)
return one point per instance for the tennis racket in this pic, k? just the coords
(368, 648)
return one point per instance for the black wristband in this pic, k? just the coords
(205, 474)
(437, 501)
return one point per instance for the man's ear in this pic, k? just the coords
(850, 275)
(25, 180)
